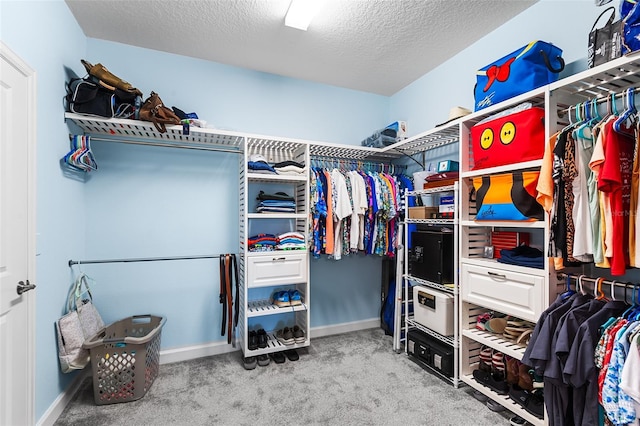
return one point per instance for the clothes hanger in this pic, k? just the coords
(568, 291)
(580, 288)
(598, 294)
(627, 113)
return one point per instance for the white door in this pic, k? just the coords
(17, 242)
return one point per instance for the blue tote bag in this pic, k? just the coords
(532, 66)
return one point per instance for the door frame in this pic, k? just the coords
(30, 139)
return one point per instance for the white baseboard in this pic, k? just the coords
(345, 327)
(187, 353)
(53, 412)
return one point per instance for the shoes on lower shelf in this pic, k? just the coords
(532, 401)
(298, 334)
(253, 340)
(285, 336)
(261, 337)
(489, 380)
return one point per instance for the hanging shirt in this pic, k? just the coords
(615, 179)
(342, 210)
(359, 195)
(329, 240)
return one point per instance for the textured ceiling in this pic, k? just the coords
(377, 46)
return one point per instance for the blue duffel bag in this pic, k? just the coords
(532, 66)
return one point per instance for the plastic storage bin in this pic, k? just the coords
(125, 358)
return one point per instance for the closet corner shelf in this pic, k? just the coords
(144, 132)
(502, 169)
(503, 400)
(433, 138)
(496, 341)
(493, 263)
(426, 283)
(445, 339)
(503, 224)
(276, 216)
(261, 177)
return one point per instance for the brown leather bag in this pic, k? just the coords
(154, 110)
(109, 80)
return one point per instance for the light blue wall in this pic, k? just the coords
(161, 201)
(45, 35)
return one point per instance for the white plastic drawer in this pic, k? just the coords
(509, 292)
(276, 269)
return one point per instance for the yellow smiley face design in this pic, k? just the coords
(486, 138)
(507, 133)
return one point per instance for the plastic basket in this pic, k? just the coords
(125, 358)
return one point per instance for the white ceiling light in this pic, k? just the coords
(301, 12)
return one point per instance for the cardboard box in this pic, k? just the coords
(422, 212)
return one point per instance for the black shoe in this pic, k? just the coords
(262, 338)
(278, 357)
(250, 363)
(517, 421)
(263, 360)
(292, 354)
(253, 340)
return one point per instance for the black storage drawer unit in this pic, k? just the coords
(431, 256)
(427, 350)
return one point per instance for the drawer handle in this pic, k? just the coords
(276, 259)
(493, 274)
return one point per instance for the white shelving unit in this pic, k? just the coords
(422, 145)
(263, 273)
(522, 292)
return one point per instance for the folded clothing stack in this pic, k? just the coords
(276, 206)
(262, 242)
(280, 202)
(289, 168)
(258, 164)
(291, 241)
(522, 255)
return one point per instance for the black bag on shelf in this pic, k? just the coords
(605, 43)
(84, 96)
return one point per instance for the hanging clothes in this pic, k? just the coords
(360, 214)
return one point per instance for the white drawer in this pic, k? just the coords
(509, 292)
(276, 269)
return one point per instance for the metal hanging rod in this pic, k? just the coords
(144, 259)
(602, 100)
(355, 164)
(605, 284)
(168, 145)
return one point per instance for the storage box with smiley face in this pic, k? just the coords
(510, 139)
